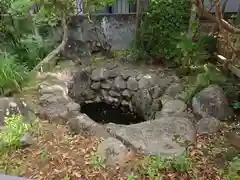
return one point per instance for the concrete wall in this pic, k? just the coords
(118, 30)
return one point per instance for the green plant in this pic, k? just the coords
(97, 162)
(44, 156)
(12, 74)
(15, 129)
(232, 172)
(163, 21)
(209, 75)
(154, 166)
(32, 49)
(131, 177)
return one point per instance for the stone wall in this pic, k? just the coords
(140, 91)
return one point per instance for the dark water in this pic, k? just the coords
(105, 113)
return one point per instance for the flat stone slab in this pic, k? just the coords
(6, 177)
(166, 136)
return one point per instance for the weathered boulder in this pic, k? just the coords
(166, 136)
(114, 152)
(14, 106)
(142, 101)
(174, 89)
(56, 105)
(208, 125)
(173, 107)
(84, 125)
(211, 101)
(119, 83)
(80, 88)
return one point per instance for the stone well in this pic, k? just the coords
(121, 87)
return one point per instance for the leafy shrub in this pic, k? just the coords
(32, 49)
(209, 75)
(12, 74)
(163, 21)
(15, 129)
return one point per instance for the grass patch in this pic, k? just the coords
(15, 128)
(12, 74)
(155, 167)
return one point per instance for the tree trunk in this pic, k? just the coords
(61, 46)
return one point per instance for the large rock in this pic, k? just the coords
(14, 106)
(211, 101)
(119, 83)
(6, 177)
(56, 105)
(208, 125)
(114, 152)
(174, 89)
(173, 107)
(80, 88)
(99, 74)
(83, 125)
(146, 81)
(166, 136)
(132, 84)
(142, 101)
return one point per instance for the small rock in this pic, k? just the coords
(174, 89)
(113, 73)
(111, 66)
(95, 85)
(71, 106)
(54, 89)
(114, 94)
(104, 93)
(165, 98)
(174, 106)
(155, 92)
(146, 81)
(99, 74)
(132, 84)
(106, 84)
(126, 94)
(139, 76)
(124, 103)
(26, 140)
(114, 152)
(208, 125)
(127, 73)
(97, 99)
(119, 83)
(164, 81)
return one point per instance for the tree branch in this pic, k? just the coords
(225, 24)
(61, 46)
